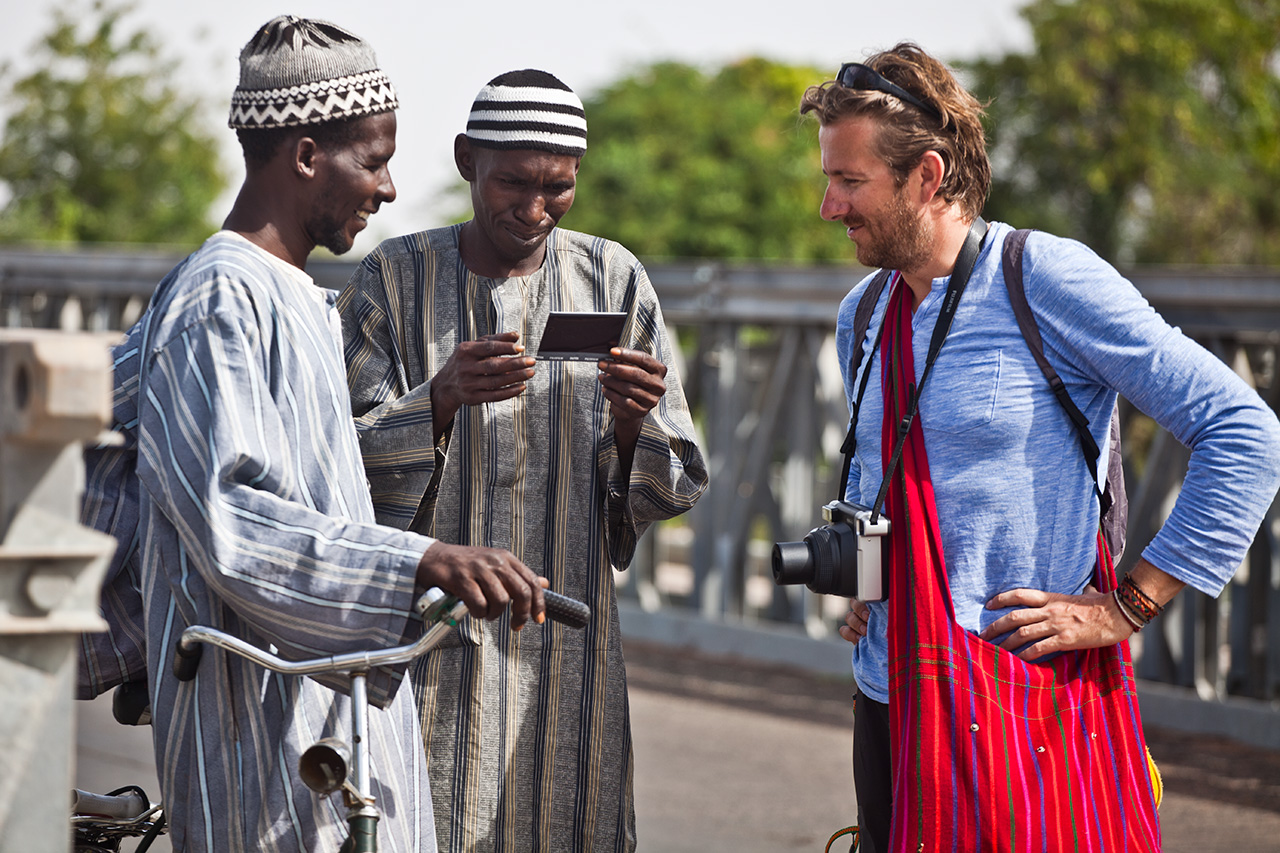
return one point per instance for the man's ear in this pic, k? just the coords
(932, 170)
(464, 157)
(305, 154)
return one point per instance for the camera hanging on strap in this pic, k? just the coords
(847, 557)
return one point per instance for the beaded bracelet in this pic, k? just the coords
(1139, 604)
(1124, 611)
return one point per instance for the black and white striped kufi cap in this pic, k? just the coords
(528, 109)
(304, 71)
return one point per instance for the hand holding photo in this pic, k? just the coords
(580, 335)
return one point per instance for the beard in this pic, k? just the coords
(899, 241)
(330, 231)
(327, 225)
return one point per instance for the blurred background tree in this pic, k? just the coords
(1149, 129)
(691, 164)
(100, 146)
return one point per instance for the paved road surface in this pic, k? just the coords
(738, 757)
(752, 759)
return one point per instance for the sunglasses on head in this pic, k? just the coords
(855, 75)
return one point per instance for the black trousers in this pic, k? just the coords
(872, 774)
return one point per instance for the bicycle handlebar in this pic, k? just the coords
(440, 610)
(127, 805)
(569, 612)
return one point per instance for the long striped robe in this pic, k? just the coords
(254, 518)
(527, 733)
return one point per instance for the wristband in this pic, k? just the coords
(1124, 611)
(1139, 604)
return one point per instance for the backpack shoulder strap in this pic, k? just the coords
(861, 325)
(1012, 263)
(862, 317)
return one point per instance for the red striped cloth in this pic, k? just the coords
(991, 753)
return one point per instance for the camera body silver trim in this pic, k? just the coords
(870, 567)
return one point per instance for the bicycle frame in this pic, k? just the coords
(440, 611)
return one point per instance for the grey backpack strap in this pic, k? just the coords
(861, 324)
(862, 315)
(1113, 502)
(1115, 519)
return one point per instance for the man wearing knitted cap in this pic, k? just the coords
(252, 512)
(468, 438)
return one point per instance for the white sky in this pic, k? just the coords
(439, 54)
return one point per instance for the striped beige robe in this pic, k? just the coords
(527, 734)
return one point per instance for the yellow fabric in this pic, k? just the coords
(1157, 782)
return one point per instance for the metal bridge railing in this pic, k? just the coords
(761, 374)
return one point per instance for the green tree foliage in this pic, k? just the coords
(1150, 129)
(683, 163)
(99, 147)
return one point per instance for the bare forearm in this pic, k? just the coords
(1159, 585)
(443, 409)
(625, 436)
(634, 383)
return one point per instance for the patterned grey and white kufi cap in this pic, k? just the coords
(304, 71)
(529, 110)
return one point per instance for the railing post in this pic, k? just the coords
(54, 396)
(711, 546)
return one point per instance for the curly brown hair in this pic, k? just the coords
(906, 132)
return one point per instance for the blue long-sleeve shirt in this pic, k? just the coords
(1014, 495)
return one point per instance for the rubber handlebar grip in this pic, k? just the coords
(565, 610)
(131, 704)
(126, 806)
(186, 661)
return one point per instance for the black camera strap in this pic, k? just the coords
(965, 261)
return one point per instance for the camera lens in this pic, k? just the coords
(826, 561)
(792, 562)
(825, 544)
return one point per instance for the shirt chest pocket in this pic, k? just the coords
(959, 400)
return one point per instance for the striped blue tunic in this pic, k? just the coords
(255, 518)
(527, 733)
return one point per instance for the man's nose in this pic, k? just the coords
(386, 188)
(833, 208)
(532, 208)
